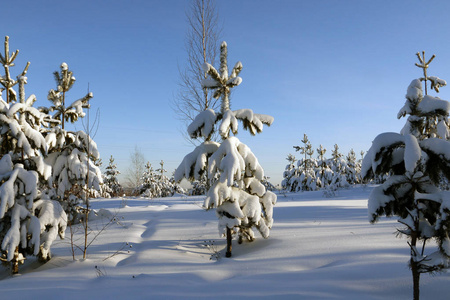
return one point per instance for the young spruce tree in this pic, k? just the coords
(112, 186)
(417, 159)
(306, 180)
(72, 154)
(236, 191)
(29, 222)
(290, 173)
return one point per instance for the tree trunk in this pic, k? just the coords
(15, 262)
(63, 113)
(414, 264)
(416, 279)
(228, 253)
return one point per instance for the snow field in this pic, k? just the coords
(319, 248)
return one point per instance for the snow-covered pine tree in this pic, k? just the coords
(241, 201)
(360, 160)
(175, 188)
(29, 223)
(156, 184)
(337, 165)
(324, 174)
(153, 186)
(417, 159)
(167, 186)
(267, 184)
(111, 183)
(352, 168)
(306, 180)
(148, 182)
(71, 153)
(161, 177)
(358, 170)
(290, 172)
(199, 187)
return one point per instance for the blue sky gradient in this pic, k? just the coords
(335, 70)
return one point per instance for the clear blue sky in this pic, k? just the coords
(335, 70)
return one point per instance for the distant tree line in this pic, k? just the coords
(313, 172)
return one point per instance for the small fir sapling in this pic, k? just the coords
(168, 186)
(267, 184)
(306, 150)
(360, 160)
(321, 164)
(324, 174)
(199, 187)
(352, 168)
(148, 180)
(29, 222)
(309, 174)
(111, 183)
(235, 175)
(71, 153)
(289, 174)
(175, 187)
(306, 179)
(338, 166)
(417, 159)
(156, 184)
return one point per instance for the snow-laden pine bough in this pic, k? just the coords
(234, 173)
(418, 161)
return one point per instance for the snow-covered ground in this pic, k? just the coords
(319, 248)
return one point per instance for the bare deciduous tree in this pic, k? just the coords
(135, 169)
(202, 42)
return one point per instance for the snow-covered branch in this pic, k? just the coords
(203, 124)
(195, 163)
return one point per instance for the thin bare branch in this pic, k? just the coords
(202, 44)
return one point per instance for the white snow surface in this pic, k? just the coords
(319, 248)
